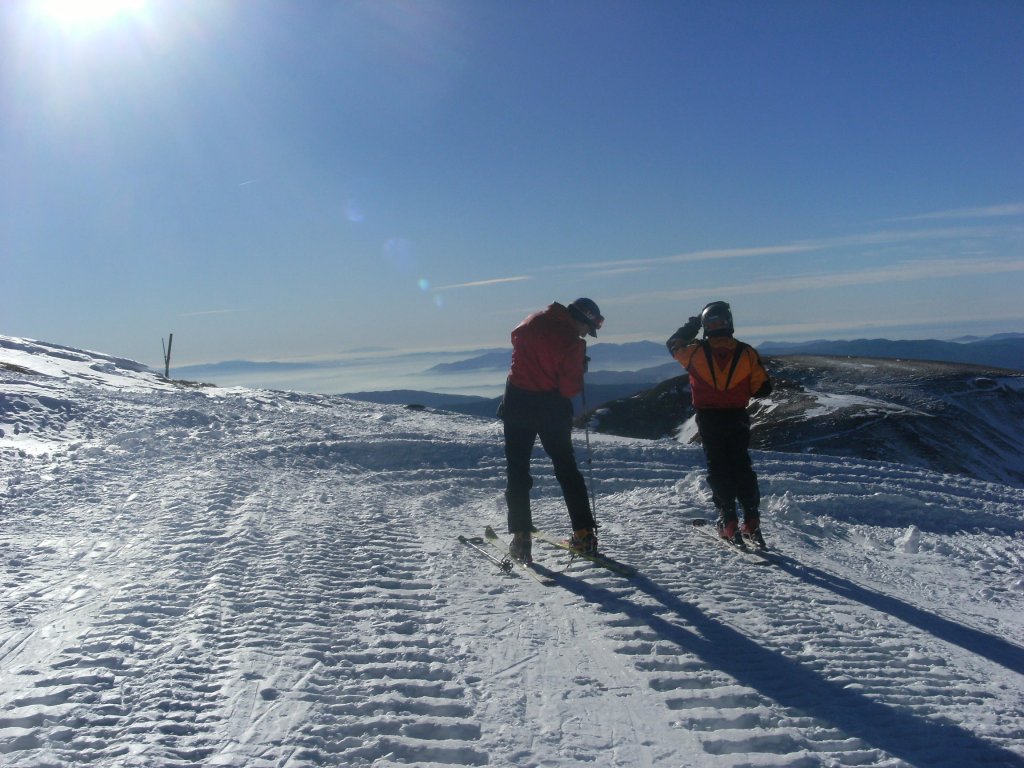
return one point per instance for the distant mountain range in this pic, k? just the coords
(603, 357)
(620, 370)
(875, 399)
(643, 363)
(243, 367)
(1005, 350)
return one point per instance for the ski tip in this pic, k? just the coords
(698, 521)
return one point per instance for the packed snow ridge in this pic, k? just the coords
(236, 577)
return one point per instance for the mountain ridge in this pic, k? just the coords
(947, 417)
(1001, 350)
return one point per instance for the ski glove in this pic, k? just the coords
(684, 335)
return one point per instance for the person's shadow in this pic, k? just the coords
(916, 739)
(976, 641)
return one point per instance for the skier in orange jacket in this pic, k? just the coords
(724, 375)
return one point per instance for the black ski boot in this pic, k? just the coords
(521, 548)
(751, 529)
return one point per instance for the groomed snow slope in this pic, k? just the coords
(252, 578)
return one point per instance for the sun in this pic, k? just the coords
(85, 14)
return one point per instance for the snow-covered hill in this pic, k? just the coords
(254, 578)
(948, 417)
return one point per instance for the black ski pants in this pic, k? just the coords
(725, 436)
(528, 415)
(557, 443)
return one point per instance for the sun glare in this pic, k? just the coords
(86, 14)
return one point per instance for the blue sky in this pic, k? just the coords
(277, 180)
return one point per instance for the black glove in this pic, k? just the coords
(684, 335)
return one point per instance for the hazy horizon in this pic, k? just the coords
(399, 370)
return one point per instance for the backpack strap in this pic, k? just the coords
(740, 348)
(711, 361)
(737, 354)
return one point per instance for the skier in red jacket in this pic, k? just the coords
(548, 362)
(724, 375)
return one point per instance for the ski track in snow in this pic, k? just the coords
(267, 579)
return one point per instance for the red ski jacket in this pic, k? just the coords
(548, 353)
(724, 373)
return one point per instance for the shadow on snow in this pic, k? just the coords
(993, 648)
(899, 732)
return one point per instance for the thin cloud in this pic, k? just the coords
(694, 256)
(895, 237)
(814, 329)
(987, 212)
(906, 272)
(484, 283)
(884, 237)
(616, 271)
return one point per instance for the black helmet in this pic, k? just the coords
(716, 319)
(586, 311)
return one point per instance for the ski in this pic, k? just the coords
(754, 554)
(596, 558)
(505, 560)
(505, 563)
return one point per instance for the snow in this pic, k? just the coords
(828, 402)
(237, 577)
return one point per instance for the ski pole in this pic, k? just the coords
(590, 455)
(475, 542)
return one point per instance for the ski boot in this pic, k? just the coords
(751, 529)
(584, 541)
(521, 548)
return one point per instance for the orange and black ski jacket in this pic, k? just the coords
(724, 372)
